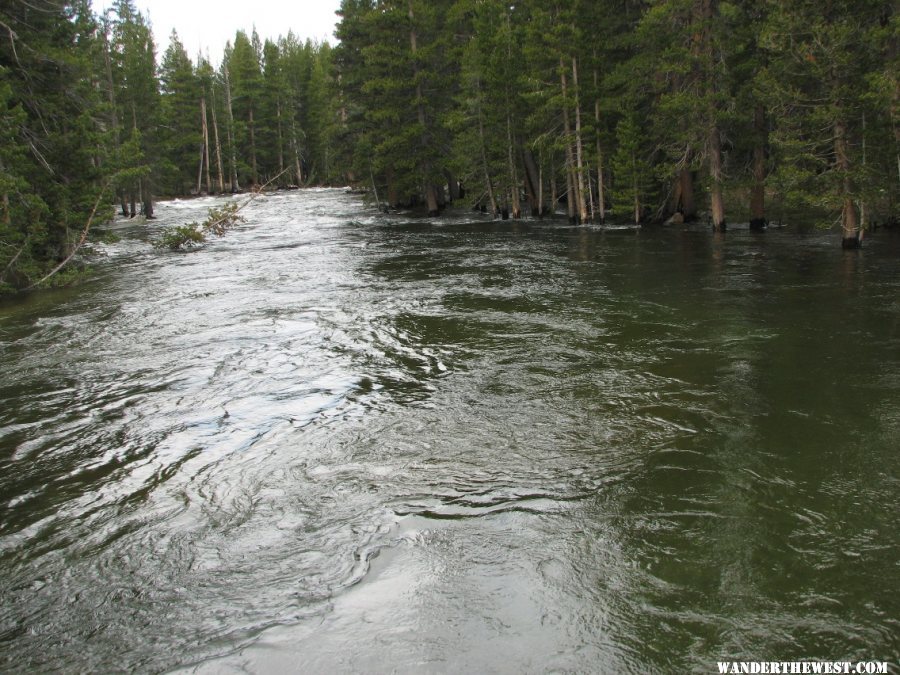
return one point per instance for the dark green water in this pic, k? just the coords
(335, 441)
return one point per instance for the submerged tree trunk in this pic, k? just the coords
(758, 192)
(147, 199)
(430, 193)
(513, 174)
(235, 186)
(200, 172)
(635, 189)
(295, 146)
(452, 185)
(532, 182)
(280, 139)
(253, 166)
(571, 197)
(717, 203)
(687, 205)
(484, 163)
(601, 191)
(205, 143)
(851, 235)
(579, 149)
(554, 193)
(220, 173)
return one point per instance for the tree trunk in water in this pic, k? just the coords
(235, 186)
(849, 221)
(601, 196)
(221, 175)
(452, 185)
(717, 204)
(431, 200)
(541, 190)
(484, 163)
(205, 144)
(758, 193)
(200, 171)
(571, 197)
(579, 153)
(295, 146)
(634, 187)
(253, 165)
(687, 205)
(392, 198)
(554, 193)
(430, 193)
(280, 140)
(532, 182)
(513, 174)
(145, 197)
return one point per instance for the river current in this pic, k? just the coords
(340, 441)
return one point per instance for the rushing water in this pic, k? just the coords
(340, 441)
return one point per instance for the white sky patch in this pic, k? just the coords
(204, 26)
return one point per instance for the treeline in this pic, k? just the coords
(645, 110)
(87, 107)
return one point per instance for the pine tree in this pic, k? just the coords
(51, 160)
(181, 130)
(133, 65)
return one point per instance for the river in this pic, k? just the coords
(340, 441)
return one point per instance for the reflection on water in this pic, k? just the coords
(340, 440)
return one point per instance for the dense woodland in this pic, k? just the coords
(633, 110)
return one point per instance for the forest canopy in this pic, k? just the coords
(627, 109)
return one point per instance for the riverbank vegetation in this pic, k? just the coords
(641, 110)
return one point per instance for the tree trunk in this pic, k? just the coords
(601, 192)
(484, 163)
(221, 175)
(431, 200)
(579, 153)
(570, 188)
(200, 171)
(145, 197)
(554, 193)
(452, 185)
(532, 182)
(687, 206)
(253, 165)
(636, 191)
(235, 186)
(430, 193)
(205, 144)
(513, 174)
(392, 196)
(717, 203)
(571, 197)
(295, 146)
(758, 192)
(849, 221)
(280, 140)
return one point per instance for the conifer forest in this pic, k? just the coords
(637, 110)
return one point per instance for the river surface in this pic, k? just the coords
(339, 441)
